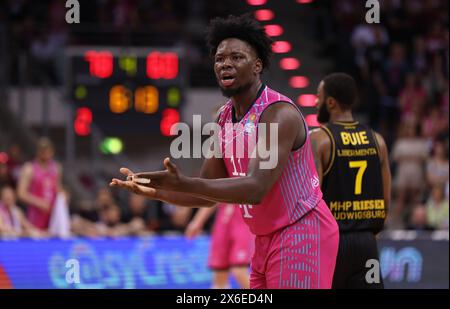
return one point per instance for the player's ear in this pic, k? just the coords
(330, 102)
(258, 66)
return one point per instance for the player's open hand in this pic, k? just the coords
(131, 185)
(170, 179)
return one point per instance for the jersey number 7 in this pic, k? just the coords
(361, 166)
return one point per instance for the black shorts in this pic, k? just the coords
(355, 249)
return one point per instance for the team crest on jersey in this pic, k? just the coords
(315, 182)
(250, 125)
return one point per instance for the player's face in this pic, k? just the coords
(45, 154)
(7, 197)
(236, 66)
(323, 116)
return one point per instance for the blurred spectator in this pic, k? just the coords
(418, 219)
(109, 224)
(84, 223)
(365, 36)
(39, 183)
(81, 224)
(438, 208)
(444, 100)
(437, 165)
(14, 162)
(435, 80)
(45, 50)
(412, 99)
(104, 217)
(104, 198)
(409, 153)
(435, 39)
(434, 124)
(403, 73)
(12, 220)
(140, 216)
(389, 83)
(376, 52)
(105, 22)
(5, 178)
(90, 211)
(173, 217)
(419, 56)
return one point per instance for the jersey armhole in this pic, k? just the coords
(301, 116)
(333, 150)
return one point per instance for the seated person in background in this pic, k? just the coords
(438, 208)
(139, 216)
(83, 222)
(12, 220)
(173, 218)
(418, 219)
(437, 165)
(409, 152)
(5, 179)
(110, 224)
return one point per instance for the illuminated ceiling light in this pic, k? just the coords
(307, 100)
(311, 120)
(274, 30)
(289, 64)
(256, 2)
(298, 82)
(280, 47)
(264, 15)
(304, 1)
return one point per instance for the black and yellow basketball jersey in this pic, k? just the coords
(352, 182)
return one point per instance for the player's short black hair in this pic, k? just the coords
(342, 87)
(244, 28)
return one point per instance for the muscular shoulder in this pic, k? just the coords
(380, 141)
(281, 112)
(320, 138)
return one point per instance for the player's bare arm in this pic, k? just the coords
(321, 147)
(22, 189)
(196, 225)
(243, 190)
(385, 170)
(211, 168)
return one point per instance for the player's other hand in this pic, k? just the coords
(170, 179)
(130, 185)
(193, 229)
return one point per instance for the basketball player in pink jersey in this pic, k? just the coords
(39, 184)
(296, 235)
(231, 246)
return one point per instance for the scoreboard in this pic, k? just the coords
(125, 90)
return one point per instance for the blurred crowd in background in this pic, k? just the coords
(39, 31)
(401, 65)
(25, 187)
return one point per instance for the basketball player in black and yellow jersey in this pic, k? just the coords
(352, 162)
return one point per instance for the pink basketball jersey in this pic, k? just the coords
(296, 192)
(44, 184)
